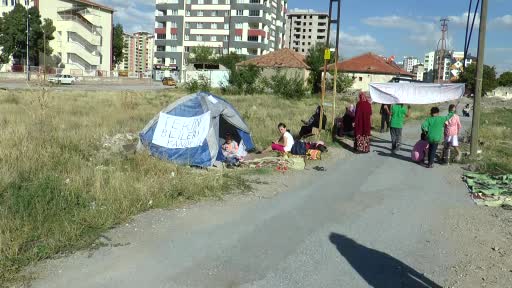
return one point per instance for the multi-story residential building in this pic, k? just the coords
(138, 53)
(7, 5)
(418, 71)
(409, 63)
(249, 27)
(83, 35)
(305, 28)
(429, 63)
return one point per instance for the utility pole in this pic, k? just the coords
(335, 21)
(44, 55)
(28, 30)
(444, 30)
(479, 76)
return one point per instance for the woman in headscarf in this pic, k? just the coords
(313, 122)
(345, 123)
(362, 124)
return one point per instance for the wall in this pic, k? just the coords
(502, 92)
(362, 80)
(217, 78)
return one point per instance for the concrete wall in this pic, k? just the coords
(362, 80)
(502, 92)
(217, 78)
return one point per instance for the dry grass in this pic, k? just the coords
(59, 191)
(496, 139)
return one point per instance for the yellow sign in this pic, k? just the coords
(327, 54)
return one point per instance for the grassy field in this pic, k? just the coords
(59, 189)
(496, 138)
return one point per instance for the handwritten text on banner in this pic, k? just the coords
(181, 132)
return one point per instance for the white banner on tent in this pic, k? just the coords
(415, 93)
(181, 132)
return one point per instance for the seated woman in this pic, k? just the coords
(285, 142)
(313, 122)
(230, 150)
(345, 124)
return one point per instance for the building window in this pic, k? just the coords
(214, 26)
(160, 36)
(226, 26)
(239, 25)
(174, 37)
(189, 1)
(199, 37)
(254, 1)
(172, 61)
(255, 13)
(173, 48)
(174, 25)
(174, 12)
(200, 1)
(187, 25)
(215, 1)
(187, 37)
(252, 38)
(226, 13)
(239, 12)
(213, 38)
(360, 79)
(199, 25)
(238, 50)
(160, 48)
(214, 13)
(187, 13)
(238, 37)
(226, 38)
(200, 13)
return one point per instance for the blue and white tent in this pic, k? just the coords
(190, 131)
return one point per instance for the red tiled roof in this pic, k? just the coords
(370, 63)
(88, 2)
(286, 58)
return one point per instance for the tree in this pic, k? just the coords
(202, 55)
(489, 82)
(315, 61)
(245, 79)
(13, 34)
(230, 60)
(505, 79)
(117, 44)
(343, 83)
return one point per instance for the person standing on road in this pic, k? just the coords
(385, 111)
(363, 124)
(434, 127)
(398, 114)
(451, 133)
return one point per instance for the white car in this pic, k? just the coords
(62, 79)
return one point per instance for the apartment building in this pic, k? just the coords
(429, 62)
(138, 53)
(418, 72)
(248, 27)
(83, 35)
(7, 5)
(305, 28)
(409, 63)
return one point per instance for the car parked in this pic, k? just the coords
(169, 81)
(62, 79)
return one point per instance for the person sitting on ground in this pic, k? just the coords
(285, 142)
(434, 127)
(420, 149)
(451, 132)
(230, 150)
(465, 111)
(313, 122)
(345, 124)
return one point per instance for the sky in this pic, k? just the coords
(391, 28)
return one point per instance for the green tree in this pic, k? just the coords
(244, 79)
(315, 61)
(230, 60)
(489, 81)
(117, 44)
(13, 34)
(505, 79)
(201, 55)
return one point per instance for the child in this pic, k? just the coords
(434, 127)
(230, 150)
(420, 148)
(451, 132)
(465, 111)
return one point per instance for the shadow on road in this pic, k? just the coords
(379, 269)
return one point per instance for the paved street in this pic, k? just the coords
(135, 85)
(373, 220)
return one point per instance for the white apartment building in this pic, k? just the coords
(429, 62)
(409, 63)
(305, 28)
(138, 50)
(248, 27)
(418, 70)
(7, 5)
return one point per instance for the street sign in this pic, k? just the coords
(327, 54)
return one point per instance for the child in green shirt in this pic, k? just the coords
(434, 127)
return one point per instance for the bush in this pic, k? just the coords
(244, 80)
(288, 88)
(196, 85)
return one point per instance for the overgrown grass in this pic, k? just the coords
(59, 189)
(496, 139)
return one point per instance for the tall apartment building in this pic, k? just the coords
(409, 63)
(429, 62)
(138, 52)
(248, 27)
(451, 65)
(83, 35)
(305, 28)
(418, 71)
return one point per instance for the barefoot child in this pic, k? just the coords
(451, 132)
(420, 149)
(434, 127)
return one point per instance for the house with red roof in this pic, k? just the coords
(371, 68)
(285, 61)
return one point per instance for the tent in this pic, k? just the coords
(415, 93)
(190, 130)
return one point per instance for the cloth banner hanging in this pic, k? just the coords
(415, 93)
(181, 132)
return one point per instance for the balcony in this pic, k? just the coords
(81, 51)
(75, 24)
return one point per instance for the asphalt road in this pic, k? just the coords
(374, 220)
(136, 85)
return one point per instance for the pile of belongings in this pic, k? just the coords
(312, 150)
(281, 164)
(487, 190)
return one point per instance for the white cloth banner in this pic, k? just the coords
(415, 93)
(181, 132)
